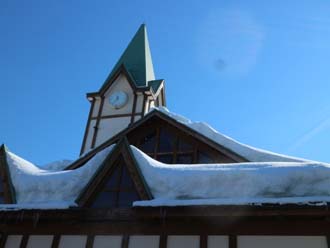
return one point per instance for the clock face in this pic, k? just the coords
(118, 99)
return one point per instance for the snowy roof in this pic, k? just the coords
(267, 178)
(250, 153)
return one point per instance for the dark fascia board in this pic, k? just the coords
(8, 185)
(168, 119)
(121, 69)
(121, 148)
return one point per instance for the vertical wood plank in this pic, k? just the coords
(90, 241)
(56, 241)
(125, 241)
(232, 241)
(134, 108)
(3, 240)
(203, 241)
(163, 241)
(24, 241)
(87, 126)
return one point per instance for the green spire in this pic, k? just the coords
(137, 59)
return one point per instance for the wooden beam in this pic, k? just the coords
(163, 241)
(125, 241)
(56, 241)
(232, 241)
(87, 126)
(24, 241)
(97, 122)
(90, 241)
(203, 241)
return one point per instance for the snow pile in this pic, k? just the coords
(44, 189)
(250, 153)
(56, 165)
(240, 183)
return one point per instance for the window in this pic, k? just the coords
(118, 190)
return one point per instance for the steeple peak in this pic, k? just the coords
(136, 59)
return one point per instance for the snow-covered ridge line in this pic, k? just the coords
(250, 153)
(240, 183)
(50, 188)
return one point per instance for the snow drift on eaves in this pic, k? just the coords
(48, 188)
(253, 182)
(250, 153)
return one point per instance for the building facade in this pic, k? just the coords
(147, 178)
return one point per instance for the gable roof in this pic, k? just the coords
(136, 59)
(122, 148)
(40, 188)
(156, 113)
(202, 132)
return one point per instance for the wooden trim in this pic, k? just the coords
(90, 241)
(56, 241)
(96, 127)
(121, 70)
(125, 241)
(135, 173)
(87, 126)
(115, 116)
(163, 241)
(232, 241)
(145, 98)
(24, 241)
(133, 108)
(163, 95)
(3, 240)
(203, 241)
(106, 169)
(216, 220)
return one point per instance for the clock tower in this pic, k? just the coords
(127, 94)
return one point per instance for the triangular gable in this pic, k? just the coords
(118, 178)
(152, 116)
(7, 192)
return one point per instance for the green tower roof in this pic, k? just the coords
(136, 59)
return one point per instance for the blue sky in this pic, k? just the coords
(257, 71)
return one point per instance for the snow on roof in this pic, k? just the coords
(56, 165)
(239, 183)
(39, 188)
(250, 153)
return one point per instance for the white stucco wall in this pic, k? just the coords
(90, 134)
(110, 127)
(139, 103)
(96, 107)
(215, 241)
(13, 241)
(182, 241)
(143, 241)
(281, 241)
(72, 241)
(106, 241)
(44, 241)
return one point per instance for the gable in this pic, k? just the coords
(151, 120)
(117, 183)
(172, 145)
(117, 188)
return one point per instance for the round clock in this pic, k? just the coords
(118, 99)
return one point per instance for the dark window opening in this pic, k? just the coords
(118, 190)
